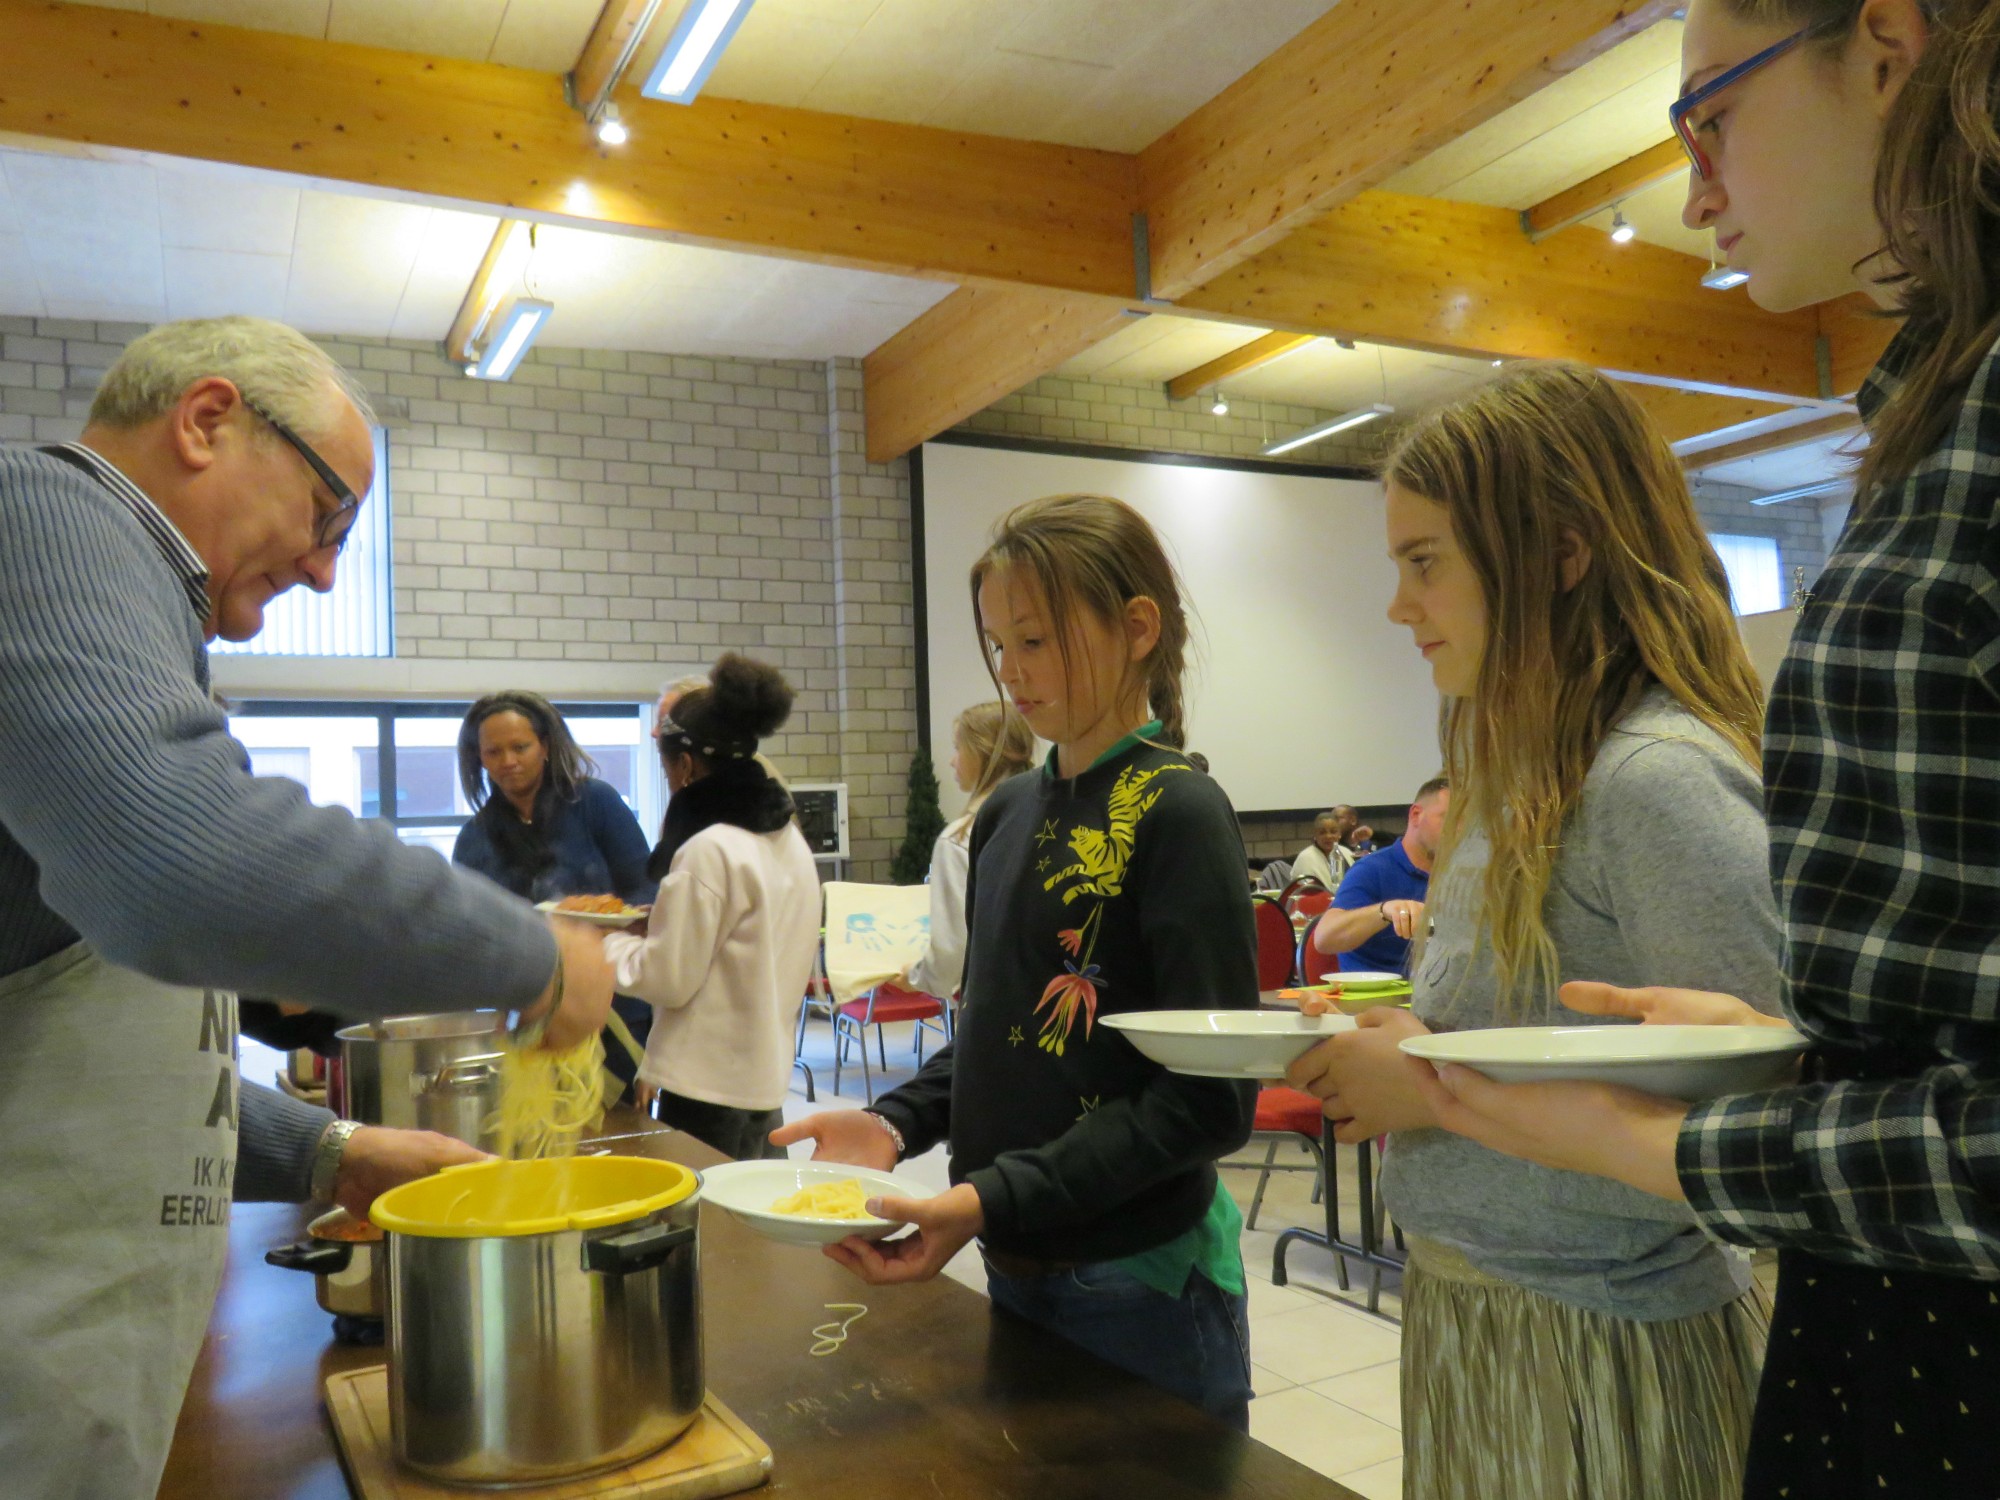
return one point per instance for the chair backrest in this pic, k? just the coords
(1277, 949)
(1314, 965)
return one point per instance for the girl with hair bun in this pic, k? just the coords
(729, 944)
(1109, 881)
(989, 743)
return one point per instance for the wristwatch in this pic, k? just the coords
(1387, 920)
(326, 1158)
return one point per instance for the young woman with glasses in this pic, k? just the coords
(1835, 145)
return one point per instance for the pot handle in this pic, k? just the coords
(636, 1249)
(460, 1073)
(321, 1257)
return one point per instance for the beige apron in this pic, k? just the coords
(117, 1149)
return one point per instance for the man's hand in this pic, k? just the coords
(842, 1135)
(945, 1224)
(1406, 917)
(1603, 1129)
(376, 1159)
(1660, 1006)
(587, 982)
(1367, 1086)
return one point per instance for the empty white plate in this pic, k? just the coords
(1679, 1062)
(1225, 1043)
(748, 1189)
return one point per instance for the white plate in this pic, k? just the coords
(595, 918)
(748, 1189)
(1680, 1062)
(1225, 1043)
(1363, 979)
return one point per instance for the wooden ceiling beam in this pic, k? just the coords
(1238, 361)
(1368, 88)
(614, 38)
(1460, 278)
(1784, 438)
(906, 199)
(1856, 333)
(974, 347)
(1684, 414)
(1611, 186)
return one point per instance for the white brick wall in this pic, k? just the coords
(612, 507)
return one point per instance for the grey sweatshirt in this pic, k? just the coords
(1663, 879)
(129, 817)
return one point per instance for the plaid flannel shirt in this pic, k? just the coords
(1882, 788)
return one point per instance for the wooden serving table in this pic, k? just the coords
(934, 1395)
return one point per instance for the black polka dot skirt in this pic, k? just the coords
(1877, 1383)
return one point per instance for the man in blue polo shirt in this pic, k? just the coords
(1380, 903)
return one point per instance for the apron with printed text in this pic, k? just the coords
(117, 1150)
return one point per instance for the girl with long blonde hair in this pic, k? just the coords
(989, 743)
(1600, 734)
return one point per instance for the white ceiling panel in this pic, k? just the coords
(20, 286)
(299, 17)
(545, 35)
(447, 28)
(217, 283)
(1101, 35)
(1812, 463)
(351, 262)
(1656, 214)
(87, 199)
(205, 209)
(448, 256)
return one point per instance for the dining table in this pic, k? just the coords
(933, 1394)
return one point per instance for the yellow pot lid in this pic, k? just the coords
(507, 1198)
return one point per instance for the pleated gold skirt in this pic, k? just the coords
(1510, 1395)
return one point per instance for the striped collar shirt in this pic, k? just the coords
(174, 547)
(1882, 791)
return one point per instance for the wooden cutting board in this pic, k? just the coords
(716, 1456)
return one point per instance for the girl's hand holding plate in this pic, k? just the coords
(1367, 1086)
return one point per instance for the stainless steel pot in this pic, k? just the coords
(350, 1277)
(523, 1358)
(425, 1073)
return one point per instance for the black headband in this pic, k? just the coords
(693, 739)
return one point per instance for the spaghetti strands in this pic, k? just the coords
(844, 1199)
(828, 1337)
(547, 1099)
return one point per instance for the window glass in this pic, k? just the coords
(1755, 581)
(323, 753)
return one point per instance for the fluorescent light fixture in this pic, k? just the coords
(1824, 487)
(611, 129)
(694, 49)
(1221, 406)
(519, 324)
(1722, 278)
(1622, 232)
(1342, 423)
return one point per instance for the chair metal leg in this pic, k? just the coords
(840, 1051)
(881, 1047)
(1263, 1177)
(867, 1082)
(800, 1064)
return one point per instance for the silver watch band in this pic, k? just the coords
(326, 1158)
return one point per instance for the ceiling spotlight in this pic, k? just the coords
(1622, 232)
(1722, 278)
(1220, 408)
(1498, 363)
(611, 129)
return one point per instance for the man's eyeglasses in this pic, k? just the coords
(1680, 114)
(336, 524)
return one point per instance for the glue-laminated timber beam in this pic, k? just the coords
(616, 35)
(1856, 333)
(967, 352)
(900, 198)
(1238, 361)
(1368, 88)
(1796, 436)
(1611, 186)
(1460, 278)
(1685, 414)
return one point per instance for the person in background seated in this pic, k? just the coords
(1356, 837)
(729, 944)
(989, 743)
(1326, 859)
(1379, 907)
(543, 827)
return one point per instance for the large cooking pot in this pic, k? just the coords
(349, 1264)
(544, 1316)
(425, 1073)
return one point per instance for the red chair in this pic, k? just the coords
(1277, 944)
(886, 1002)
(1314, 965)
(1305, 896)
(1285, 1114)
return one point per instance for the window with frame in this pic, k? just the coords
(1756, 579)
